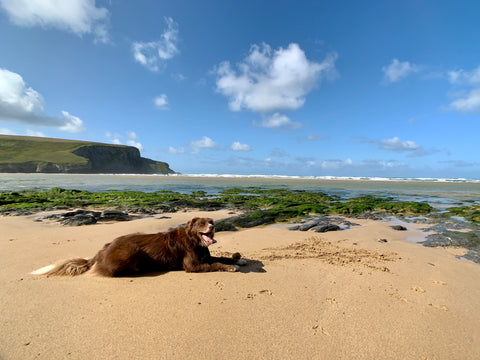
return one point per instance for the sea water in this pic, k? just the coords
(440, 193)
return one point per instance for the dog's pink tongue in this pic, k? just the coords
(207, 240)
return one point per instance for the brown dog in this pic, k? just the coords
(184, 247)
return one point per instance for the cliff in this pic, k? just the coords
(44, 155)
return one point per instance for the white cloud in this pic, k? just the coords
(172, 150)
(136, 144)
(161, 102)
(5, 131)
(204, 143)
(22, 104)
(464, 77)
(113, 138)
(132, 135)
(397, 70)
(71, 123)
(468, 104)
(153, 54)
(278, 121)
(336, 164)
(116, 138)
(268, 81)
(395, 144)
(237, 146)
(35, 133)
(77, 16)
(310, 137)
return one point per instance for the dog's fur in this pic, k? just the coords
(184, 247)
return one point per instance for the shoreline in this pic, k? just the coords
(342, 294)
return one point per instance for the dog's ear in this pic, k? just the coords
(191, 224)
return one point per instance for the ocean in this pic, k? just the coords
(440, 193)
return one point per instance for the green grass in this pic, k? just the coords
(20, 149)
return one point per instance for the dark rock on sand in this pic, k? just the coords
(473, 255)
(114, 215)
(87, 217)
(327, 227)
(224, 225)
(79, 219)
(322, 224)
(398, 227)
(467, 240)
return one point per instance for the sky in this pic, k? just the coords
(299, 88)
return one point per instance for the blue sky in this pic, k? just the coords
(309, 88)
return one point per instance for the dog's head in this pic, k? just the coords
(202, 229)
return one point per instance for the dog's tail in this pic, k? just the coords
(70, 267)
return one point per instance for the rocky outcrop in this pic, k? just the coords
(90, 159)
(113, 159)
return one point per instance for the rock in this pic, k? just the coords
(398, 227)
(83, 157)
(68, 214)
(473, 255)
(307, 226)
(453, 238)
(327, 227)
(79, 219)
(371, 216)
(382, 240)
(224, 225)
(114, 215)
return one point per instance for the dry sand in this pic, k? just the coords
(339, 295)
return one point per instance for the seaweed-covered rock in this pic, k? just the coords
(322, 224)
(245, 221)
(473, 255)
(453, 238)
(114, 215)
(79, 219)
(224, 225)
(326, 227)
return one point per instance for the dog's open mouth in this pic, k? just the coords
(207, 238)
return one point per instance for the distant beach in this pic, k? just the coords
(440, 193)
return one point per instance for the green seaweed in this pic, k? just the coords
(470, 213)
(270, 204)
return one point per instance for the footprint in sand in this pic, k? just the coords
(263, 292)
(321, 329)
(439, 307)
(220, 285)
(417, 289)
(266, 292)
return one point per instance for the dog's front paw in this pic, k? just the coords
(233, 268)
(241, 262)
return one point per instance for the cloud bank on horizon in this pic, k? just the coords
(293, 97)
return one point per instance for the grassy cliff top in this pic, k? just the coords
(18, 149)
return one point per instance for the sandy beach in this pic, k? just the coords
(303, 295)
